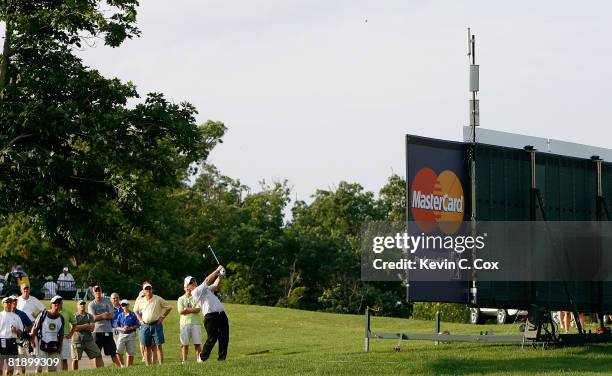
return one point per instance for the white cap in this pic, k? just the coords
(14, 297)
(124, 301)
(65, 269)
(24, 285)
(6, 299)
(187, 281)
(82, 301)
(56, 298)
(144, 286)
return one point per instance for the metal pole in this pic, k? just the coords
(437, 317)
(472, 53)
(599, 217)
(532, 186)
(367, 329)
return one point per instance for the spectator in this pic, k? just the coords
(10, 330)
(102, 311)
(83, 325)
(87, 291)
(143, 349)
(215, 319)
(127, 323)
(581, 319)
(49, 288)
(29, 304)
(151, 311)
(49, 329)
(65, 280)
(26, 345)
(27, 323)
(66, 313)
(565, 319)
(18, 276)
(190, 327)
(116, 311)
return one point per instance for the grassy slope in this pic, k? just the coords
(274, 341)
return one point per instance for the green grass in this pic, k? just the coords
(275, 341)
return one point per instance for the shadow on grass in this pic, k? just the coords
(577, 362)
(594, 349)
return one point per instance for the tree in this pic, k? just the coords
(326, 236)
(245, 229)
(74, 158)
(55, 24)
(392, 199)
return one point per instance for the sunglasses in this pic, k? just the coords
(124, 305)
(58, 302)
(148, 288)
(82, 303)
(25, 288)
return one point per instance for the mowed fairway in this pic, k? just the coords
(276, 341)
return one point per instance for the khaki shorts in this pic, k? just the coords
(49, 359)
(89, 347)
(126, 343)
(190, 332)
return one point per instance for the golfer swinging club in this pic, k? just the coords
(215, 320)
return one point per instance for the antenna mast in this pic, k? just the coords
(474, 122)
(474, 84)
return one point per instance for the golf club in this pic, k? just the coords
(213, 253)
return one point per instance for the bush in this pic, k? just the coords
(448, 312)
(295, 298)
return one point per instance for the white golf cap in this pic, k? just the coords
(65, 269)
(24, 285)
(145, 285)
(187, 281)
(14, 297)
(7, 299)
(56, 298)
(124, 301)
(82, 301)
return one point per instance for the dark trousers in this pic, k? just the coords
(217, 328)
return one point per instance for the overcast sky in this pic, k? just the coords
(313, 93)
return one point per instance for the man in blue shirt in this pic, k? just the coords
(116, 311)
(126, 325)
(25, 320)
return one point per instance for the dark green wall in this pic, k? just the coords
(568, 189)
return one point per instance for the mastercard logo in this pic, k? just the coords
(437, 201)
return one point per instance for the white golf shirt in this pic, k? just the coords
(32, 307)
(209, 302)
(7, 320)
(65, 282)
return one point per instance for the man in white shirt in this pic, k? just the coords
(49, 288)
(10, 329)
(215, 319)
(65, 280)
(29, 304)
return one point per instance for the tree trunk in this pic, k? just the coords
(6, 55)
